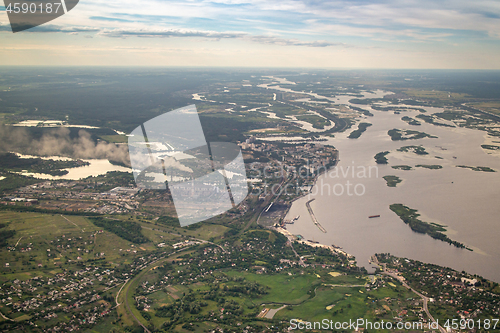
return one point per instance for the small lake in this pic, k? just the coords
(97, 167)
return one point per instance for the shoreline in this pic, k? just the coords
(314, 183)
(311, 212)
(292, 238)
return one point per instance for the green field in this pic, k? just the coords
(46, 231)
(437, 95)
(311, 294)
(115, 138)
(493, 106)
(340, 304)
(283, 289)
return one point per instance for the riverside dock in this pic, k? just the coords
(313, 217)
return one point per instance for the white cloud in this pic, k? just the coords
(382, 29)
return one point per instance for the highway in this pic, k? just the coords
(129, 282)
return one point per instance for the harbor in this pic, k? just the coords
(313, 217)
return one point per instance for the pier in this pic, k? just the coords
(308, 205)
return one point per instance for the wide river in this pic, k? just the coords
(463, 200)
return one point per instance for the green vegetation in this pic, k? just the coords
(243, 268)
(397, 134)
(490, 147)
(449, 115)
(115, 138)
(363, 111)
(477, 168)
(380, 157)
(411, 121)
(281, 288)
(367, 113)
(169, 220)
(111, 180)
(357, 133)
(284, 110)
(429, 166)
(472, 118)
(410, 217)
(45, 231)
(456, 294)
(366, 101)
(419, 150)
(11, 162)
(402, 167)
(436, 94)
(13, 181)
(431, 120)
(392, 181)
(490, 106)
(5, 234)
(316, 121)
(128, 230)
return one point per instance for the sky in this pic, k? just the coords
(433, 34)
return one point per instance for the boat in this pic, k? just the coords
(373, 216)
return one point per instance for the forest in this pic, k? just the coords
(127, 230)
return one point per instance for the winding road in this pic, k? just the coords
(425, 299)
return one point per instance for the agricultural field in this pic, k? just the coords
(492, 107)
(53, 241)
(115, 138)
(312, 293)
(437, 95)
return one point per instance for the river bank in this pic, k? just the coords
(455, 197)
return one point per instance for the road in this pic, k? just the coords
(133, 315)
(18, 241)
(76, 225)
(130, 282)
(6, 318)
(119, 291)
(301, 262)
